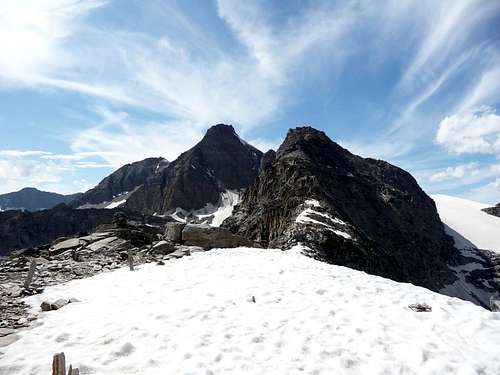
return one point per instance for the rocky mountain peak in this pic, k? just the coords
(221, 161)
(362, 213)
(220, 131)
(307, 143)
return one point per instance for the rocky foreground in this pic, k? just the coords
(108, 248)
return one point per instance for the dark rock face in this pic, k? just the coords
(495, 211)
(125, 179)
(221, 161)
(362, 213)
(32, 199)
(19, 229)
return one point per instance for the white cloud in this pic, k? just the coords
(488, 193)
(18, 172)
(455, 172)
(45, 171)
(458, 178)
(474, 131)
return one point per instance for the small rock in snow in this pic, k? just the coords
(420, 307)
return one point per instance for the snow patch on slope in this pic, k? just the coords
(179, 215)
(305, 218)
(228, 200)
(210, 214)
(116, 204)
(467, 221)
(255, 311)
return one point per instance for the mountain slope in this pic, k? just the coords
(120, 182)
(362, 213)
(468, 221)
(254, 311)
(221, 161)
(32, 199)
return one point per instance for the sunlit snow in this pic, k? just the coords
(304, 218)
(116, 204)
(197, 315)
(465, 217)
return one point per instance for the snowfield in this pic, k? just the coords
(197, 315)
(468, 222)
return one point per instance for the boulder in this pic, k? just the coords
(58, 304)
(62, 246)
(173, 232)
(102, 243)
(163, 248)
(46, 306)
(209, 237)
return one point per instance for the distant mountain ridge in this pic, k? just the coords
(32, 199)
(122, 181)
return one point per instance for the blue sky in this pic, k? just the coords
(87, 86)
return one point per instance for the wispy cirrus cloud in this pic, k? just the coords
(33, 37)
(14, 153)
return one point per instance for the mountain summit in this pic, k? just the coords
(362, 213)
(221, 161)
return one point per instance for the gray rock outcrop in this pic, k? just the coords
(211, 237)
(163, 248)
(173, 232)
